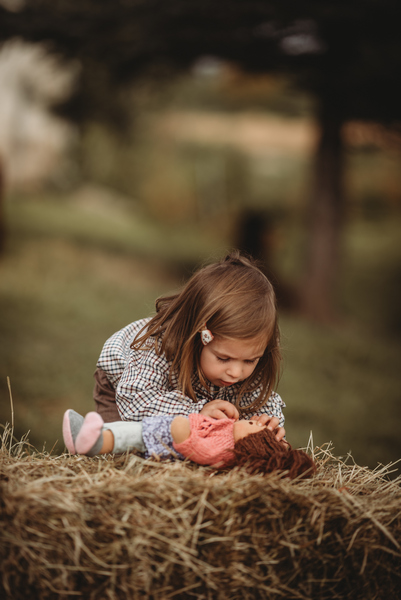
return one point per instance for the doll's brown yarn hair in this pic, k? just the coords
(261, 453)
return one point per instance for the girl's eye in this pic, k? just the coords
(248, 362)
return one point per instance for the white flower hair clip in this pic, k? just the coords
(206, 335)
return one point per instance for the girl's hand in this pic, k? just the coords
(220, 409)
(272, 424)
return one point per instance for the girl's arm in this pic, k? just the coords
(144, 390)
(141, 382)
(140, 378)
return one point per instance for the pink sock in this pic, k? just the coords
(90, 434)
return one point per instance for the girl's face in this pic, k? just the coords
(225, 361)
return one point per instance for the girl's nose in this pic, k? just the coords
(234, 370)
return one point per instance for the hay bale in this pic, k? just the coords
(123, 527)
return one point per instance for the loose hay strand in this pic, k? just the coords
(12, 409)
(123, 527)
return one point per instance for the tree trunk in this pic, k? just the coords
(2, 215)
(325, 222)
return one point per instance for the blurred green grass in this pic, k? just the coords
(71, 276)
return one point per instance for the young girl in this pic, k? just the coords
(220, 443)
(217, 340)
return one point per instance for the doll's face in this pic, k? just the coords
(243, 428)
(225, 361)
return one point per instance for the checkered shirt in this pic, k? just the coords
(143, 389)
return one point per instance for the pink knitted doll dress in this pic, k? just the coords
(211, 441)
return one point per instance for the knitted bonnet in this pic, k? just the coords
(211, 441)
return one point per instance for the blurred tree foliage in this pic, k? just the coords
(346, 53)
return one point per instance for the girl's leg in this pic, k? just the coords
(104, 396)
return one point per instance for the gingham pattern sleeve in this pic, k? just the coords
(116, 351)
(144, 389)
(141, 378)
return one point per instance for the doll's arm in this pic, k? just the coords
(180, 429)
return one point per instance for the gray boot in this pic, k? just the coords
(127, 436)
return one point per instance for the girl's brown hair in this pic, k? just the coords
(237, 301)
(261, 453)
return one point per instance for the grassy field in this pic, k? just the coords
(73, 273)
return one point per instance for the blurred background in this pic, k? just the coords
(140, 140)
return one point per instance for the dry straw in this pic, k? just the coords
(122, 527)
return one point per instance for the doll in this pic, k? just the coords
(220, 443)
